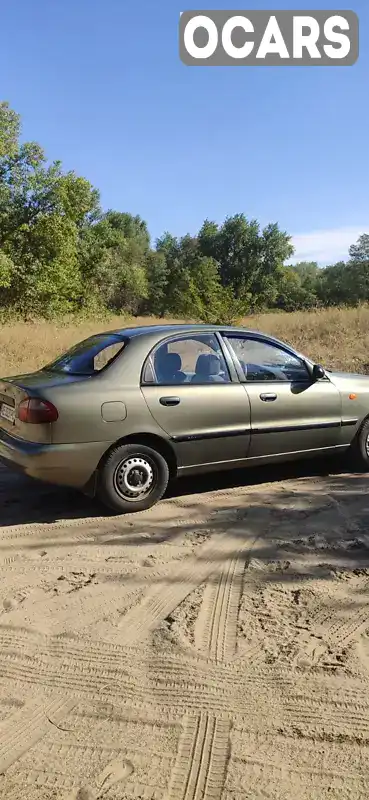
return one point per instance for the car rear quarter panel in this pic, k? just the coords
(99, 412)
(84, 415)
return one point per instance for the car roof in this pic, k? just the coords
(161, 330)
(142, 330)
(168, 328)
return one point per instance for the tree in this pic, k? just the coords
(41, 211)
(248, 258)
(360, 251)
(308, 272)
(133, 228)
(112, 256)
(236, 247)
(157, 280)
(204, 295)
(293, 293)
(6, 271)
(47, 280)
(332, 288)
(276, 248)
(60, 252)
(177, 277)
(308, 277)
(193, 284)
(9, 130)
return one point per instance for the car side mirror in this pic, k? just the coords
(318, 372)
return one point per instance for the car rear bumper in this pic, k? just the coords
(64, 464)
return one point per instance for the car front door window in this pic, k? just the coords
(262, 361)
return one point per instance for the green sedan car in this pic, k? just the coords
(124, 412)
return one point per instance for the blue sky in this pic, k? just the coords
(101, 86)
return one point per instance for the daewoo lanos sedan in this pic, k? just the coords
(124, 412)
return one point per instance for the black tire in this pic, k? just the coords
(118, 475)
(359, 450)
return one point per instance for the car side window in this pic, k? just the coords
(106, 356)
(90, 356)
(187, 360)
(263, 361)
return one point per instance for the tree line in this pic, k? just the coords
(61, 253)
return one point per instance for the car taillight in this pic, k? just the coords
(37, 411)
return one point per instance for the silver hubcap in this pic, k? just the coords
(367, 445)
(133, 478)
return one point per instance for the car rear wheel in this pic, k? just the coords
(132, 478)
(360, 448)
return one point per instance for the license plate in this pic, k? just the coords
(7, 412)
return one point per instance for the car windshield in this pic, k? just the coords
(90, 356)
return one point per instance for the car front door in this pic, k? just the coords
(193, 392)
(290, 413)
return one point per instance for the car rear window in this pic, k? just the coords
(90, 356)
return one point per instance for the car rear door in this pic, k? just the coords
(202, 406)
(289, 412)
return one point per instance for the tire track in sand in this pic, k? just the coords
(215, 631)
(216, 625)
(343, 624)
(160, 600)
(201, 762)
(343, 629)
(28, 725)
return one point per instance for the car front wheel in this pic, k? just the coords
(132, 478)
(359, 450)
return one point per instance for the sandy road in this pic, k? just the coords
(214, 648)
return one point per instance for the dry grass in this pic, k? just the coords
(337, 338)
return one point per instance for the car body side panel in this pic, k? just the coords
(302, 417)
(210, 424)
(108, 413)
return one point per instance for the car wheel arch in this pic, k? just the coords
(359, 426)
(150, 440)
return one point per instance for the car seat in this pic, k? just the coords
(168, 368)
(207, 370)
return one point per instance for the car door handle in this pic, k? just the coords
(169, 401)
(268, 397)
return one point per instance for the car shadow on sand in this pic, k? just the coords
(286, 532)
(25, 501)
